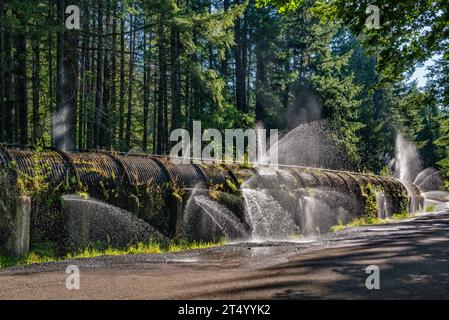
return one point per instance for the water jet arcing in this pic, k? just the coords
(424, 174)
(90, 221)
(407, 164)
(421, 184)
(309, 205)
(266, 217)
(441, 196)
(383, 206)
(431, 181)
(207, 219)
(310, 145)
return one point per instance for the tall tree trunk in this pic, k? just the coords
(105, 128)
(175, 80)
(188, 104)
(8, 87)
(58, 118)
(250, 51)
(155, 117)
(210, 47)
(286, 95)
(224, 61)
(36, 89)
(260, 76)
(50, 105)
(99, 93)
(113, 114)
(122, 81)
(240, 62)
(130, 88)
(71, 39)
(161, 88)
(21, 85)
(84, 82)
(91, 88)
(2, 71)
(244, 68)
(166, 123)
(82, 94)
(146, 91)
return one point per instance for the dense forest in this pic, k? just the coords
(135, 70)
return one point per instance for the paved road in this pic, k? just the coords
(413, 257)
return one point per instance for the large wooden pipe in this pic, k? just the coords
(153, 187)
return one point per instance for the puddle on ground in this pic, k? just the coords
(185, 260)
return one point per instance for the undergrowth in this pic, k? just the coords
(357, 222)
(48, 253)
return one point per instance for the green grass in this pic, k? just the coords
(31, 258)
(401, 216)
(357, 222)
(295, 236)
(41, 255)
(431, 208)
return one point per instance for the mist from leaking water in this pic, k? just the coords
(276, 209)
(409, 170)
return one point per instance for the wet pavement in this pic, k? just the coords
(412, 256)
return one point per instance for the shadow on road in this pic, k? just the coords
(413, 261)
